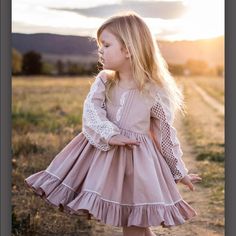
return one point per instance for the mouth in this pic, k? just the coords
(101, 60)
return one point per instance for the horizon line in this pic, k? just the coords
(159, 39)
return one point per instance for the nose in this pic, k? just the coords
(100, 51)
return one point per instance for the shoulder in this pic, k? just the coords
(157, 93)
(103, 76)
(162, 104)
(99, 83)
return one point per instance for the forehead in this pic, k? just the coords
(107, 36)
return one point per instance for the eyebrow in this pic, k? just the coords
(103, 41)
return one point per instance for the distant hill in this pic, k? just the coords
(209, 50)
(84, 49)
(53, 47)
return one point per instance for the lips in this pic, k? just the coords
(101, 60)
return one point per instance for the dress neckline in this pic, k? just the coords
(125, 88)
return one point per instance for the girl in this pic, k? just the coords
(123, 167)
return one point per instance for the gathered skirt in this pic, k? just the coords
(120, 187)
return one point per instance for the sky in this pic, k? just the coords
(168, 20)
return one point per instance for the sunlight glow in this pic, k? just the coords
(203, 19)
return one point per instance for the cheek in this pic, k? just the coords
(108, 53)
(113, 58)
(109, 57)
(113, 55)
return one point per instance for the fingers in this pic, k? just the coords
(131, 146)
(194, 175)
(190, 185)
(131, 142)
(195, 178)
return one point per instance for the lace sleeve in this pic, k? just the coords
(95, 125)
(165, 135)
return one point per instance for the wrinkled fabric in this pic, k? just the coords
(96, 126)
(116, 185)
(165, 136)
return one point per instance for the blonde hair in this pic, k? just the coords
(148, 66)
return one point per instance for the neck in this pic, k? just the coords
(125, 76)
(125, 72)
(126, 80)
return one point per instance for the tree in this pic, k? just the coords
(16, 61)
(74, 68)
(220, 70)
(94, 69)
(197, 67)
(60, 67)
(48, 68)
(176, 69)
(32, 63)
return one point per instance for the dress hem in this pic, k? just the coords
(91, 205)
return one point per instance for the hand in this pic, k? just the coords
(190, 179)
(122, 140)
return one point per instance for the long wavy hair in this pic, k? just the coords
(148, 66)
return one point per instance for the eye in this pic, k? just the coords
(106, 45)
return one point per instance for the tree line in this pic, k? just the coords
(31, 63)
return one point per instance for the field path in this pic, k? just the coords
(203, 223)
(208, 99)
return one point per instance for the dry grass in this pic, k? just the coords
(46, 114)
(214, 86)
(204, 128)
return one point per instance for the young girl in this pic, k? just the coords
(123, 167)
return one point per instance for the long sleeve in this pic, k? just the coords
(95, 125)
(165, 137)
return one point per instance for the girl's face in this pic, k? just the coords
(111, 53)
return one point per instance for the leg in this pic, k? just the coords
(149, 232)
(134, 231)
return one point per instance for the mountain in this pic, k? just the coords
(53, 47)
(209, 50)
(84, 49)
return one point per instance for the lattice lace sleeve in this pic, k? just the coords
(166, 136)
(95, 125)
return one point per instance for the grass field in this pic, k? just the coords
(46, 114)
(214, 86)
(204, 128)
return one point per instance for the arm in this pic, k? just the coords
(165, 137)
(95, 125)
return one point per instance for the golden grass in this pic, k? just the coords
(204, 128)
(47, 113)
(213, 85)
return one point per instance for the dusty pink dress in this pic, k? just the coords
(113, 184)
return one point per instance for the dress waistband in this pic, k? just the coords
(132, 134)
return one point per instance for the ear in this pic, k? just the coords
(127, 52)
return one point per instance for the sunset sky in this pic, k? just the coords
(168, 20)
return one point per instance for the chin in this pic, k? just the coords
(105, 67)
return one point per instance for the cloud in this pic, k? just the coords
(149, 9)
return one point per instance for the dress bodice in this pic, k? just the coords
(129, 110)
